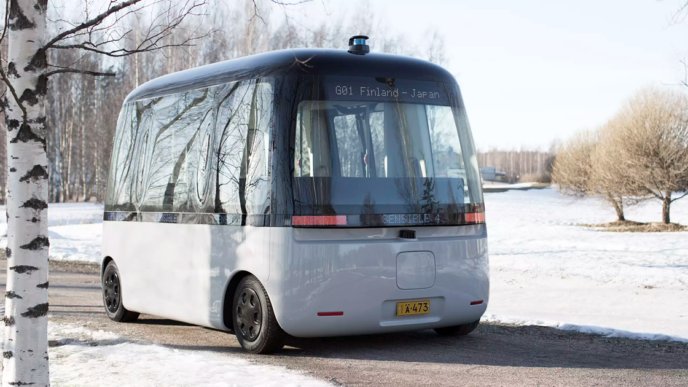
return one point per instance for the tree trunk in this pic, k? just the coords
(83, 149)
(619, 212)
(666, 207)
(68, 175)
(25, 356)
(96, 144)
(618, 207)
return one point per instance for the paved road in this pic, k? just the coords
(493, 355)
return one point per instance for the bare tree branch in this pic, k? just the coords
(161, 26)
(77, 71)
(680, 14)
(279, 2)
(255, 13)
(89, 23)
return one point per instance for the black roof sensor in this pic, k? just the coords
(358, 46)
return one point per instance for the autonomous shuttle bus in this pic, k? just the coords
(300, 192)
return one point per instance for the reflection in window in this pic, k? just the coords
(122, 156)
(242, 162)
(177, 122)
(202, 170)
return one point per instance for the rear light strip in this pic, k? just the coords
(476, 302)
(341, 220)
(326, 220)
(475, 217)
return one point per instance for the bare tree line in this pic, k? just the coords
(82, 111)
(519, 165)
(640, 154)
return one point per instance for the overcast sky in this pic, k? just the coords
(534, 71)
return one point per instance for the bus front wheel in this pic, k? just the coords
(255, 324)
(459, 330)
(112, 295)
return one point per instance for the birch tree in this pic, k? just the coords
(26, 75)
(25, 350)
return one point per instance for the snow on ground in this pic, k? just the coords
(547, 270)
(75, 231)
(79, 242)
(607, 332)
(83, 357)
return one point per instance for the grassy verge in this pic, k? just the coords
(631, 226)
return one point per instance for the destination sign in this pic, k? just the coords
(387, 90)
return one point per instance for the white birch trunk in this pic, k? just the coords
(25, 356)
(70, 142)
(83, 148)
(96, 145)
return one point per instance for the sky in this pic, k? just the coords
(532, 72)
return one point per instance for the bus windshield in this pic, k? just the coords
(382, 153)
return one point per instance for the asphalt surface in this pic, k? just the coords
(494, 354)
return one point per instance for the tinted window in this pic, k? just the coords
(242, 162)
(174, 142)
(122, 168)
(383, 146)
(204, 150)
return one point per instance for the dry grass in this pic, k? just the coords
(631, 226)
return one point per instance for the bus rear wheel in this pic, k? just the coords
(459, 330)
(112, 295)
(255, 324)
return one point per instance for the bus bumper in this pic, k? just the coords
(352, 286)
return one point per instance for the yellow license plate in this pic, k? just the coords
(413, 307)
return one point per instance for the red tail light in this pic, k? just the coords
(475, 217)
(330, 313)
(325, 220)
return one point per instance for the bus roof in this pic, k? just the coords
(293, 62)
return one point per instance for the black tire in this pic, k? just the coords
(255, 324)
(112, 295)
(459, 330)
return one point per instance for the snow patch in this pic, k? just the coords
(590, 329)
(544, 266)
(79, 242)
(75, 231)
(83, 357)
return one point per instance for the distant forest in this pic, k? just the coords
(520, 165)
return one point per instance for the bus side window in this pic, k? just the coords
(175, 138)
(232, 117)
(141, 176)
(203, 168)
(255, 162)
(242, 130)
(119, 184)
(196, 150)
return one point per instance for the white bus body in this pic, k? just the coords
(332, 199)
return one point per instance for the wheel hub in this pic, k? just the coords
(249, 315)
(111, 290)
